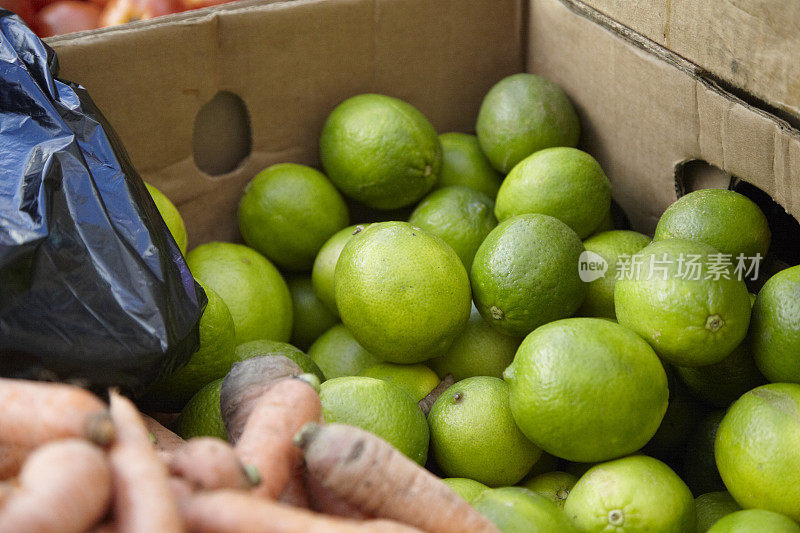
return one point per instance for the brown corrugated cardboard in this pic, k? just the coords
(645, 110)
(751, 44)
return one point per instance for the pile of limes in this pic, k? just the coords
(602, 380)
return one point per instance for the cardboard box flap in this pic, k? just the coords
(751, 44)
(290, 63)
(646, 111)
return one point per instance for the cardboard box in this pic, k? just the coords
(645, 110)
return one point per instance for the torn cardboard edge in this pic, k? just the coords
(645, 111)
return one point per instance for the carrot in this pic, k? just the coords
(427, 402)
(266, 442)
(229, 511)
(143, 498)
(370, 473)
(64, 486)
(35, 412)
(244, 385)
(12, 457)
(163, 439)
(209, 463)
(324, 501)
(295, 492)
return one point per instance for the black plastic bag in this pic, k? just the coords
(93, 288)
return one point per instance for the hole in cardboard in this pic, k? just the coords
(222, 138)
(785, 248)
(696, 174)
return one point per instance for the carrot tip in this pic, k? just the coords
(100, 428)
(311, 380)
(253, 476)
(306, 434)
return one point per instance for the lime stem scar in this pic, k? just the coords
(714, 323)
(616, 517)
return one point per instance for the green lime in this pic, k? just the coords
(461, 217)
(380, 151)
(633, 494)
(402, 292)
(338, 353)
(587, 389)
(479, 350)
(682, 416)
(554, 486)
(463, 163)
(469, 489)
(610, 246)
(416, 380)
(211, 361)
(287, 213)
(518, 510)
(685, 300)
(699, 466)
(726, 220)
(379, 407)
(266, 347)
(758, 449)
(755, 521)
(775, 331)
(473, 434)
(251, 287)
(311, 317)
(525, 274)
(171, 216)
(325, 265)
(712, 506)
(562, 182)
(202, 415)
(722, 383)
(523, 114)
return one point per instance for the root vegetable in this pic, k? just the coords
(295, 492)
(370, 473)
(324, 501)
(12, 457)
(247, 381)
(143, 498)
(237, 512)
(266, 442)
(427, 402)
(209, 463)
(64, 486)
(35, 412)
(164, 439)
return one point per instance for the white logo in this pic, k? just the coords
(591, 266)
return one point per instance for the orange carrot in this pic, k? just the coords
(143, 498)
(35, 412)
(266, 441)
(324, 501)
(164, 439)
(12, 457)
(229, 511)
(295, 492)
(64, 486)
(244, 385)
(209, 463)
(370, 473)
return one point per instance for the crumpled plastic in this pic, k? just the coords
(93, 288)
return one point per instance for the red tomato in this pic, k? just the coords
(23, 8)
(67, 16)
(122, 11)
